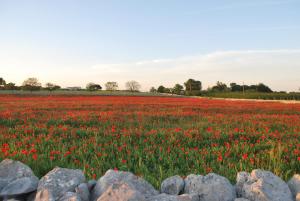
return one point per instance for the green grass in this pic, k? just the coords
(253, 95)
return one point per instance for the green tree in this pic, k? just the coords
(220, 86)
(177, 89)
(2, 82)
(263, 88)
(51, 87)
(11, 86)
(193, 87)
(161, 89)
(93, 87)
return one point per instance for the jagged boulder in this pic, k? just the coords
(113, 177)
(262, 186)
(211, 187)
(57, 182)
(70, 196)
(172, 185)
(16, 178)
(121, 192)
(83, 191)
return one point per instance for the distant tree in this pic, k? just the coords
(193, 85)
(153, 90)
(93, 87)
(132, 85)
(235, 87)
(31, 84)
(51, 87)
(161, 89)
(263, 88)
(111, 86)
(220, 86)
(11, 86)
(2, 82)
(177, 89)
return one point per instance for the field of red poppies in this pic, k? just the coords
(154, 137)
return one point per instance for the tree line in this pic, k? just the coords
(194, 87)
(33, 84)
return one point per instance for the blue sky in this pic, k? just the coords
(72, 42)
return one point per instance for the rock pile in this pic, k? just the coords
(18, 183)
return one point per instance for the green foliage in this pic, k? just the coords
(192, 85)
(93, 87)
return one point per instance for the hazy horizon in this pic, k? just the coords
(71, 43)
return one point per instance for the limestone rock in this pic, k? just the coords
(112, 177)
(16, 178)
(44, 195)
(263, 186)
(59, 181)
(121, 192)
(70, 196)
(167, 197)
(172, 185)
(211, 187)
(20, 186)
(83, 192)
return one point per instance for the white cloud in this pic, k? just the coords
(278, 68)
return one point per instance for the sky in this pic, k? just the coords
(155, 42)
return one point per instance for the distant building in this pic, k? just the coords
(73, 88)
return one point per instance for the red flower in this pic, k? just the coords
(245, 156)
(34, 157)
(220, 158)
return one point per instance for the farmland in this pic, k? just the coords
(154, 137)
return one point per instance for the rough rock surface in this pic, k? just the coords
(241, 199)
(70, 196)
(59, 181)
(262, 186)
(44, 195)
(83, 191)
(16, 178)
(167, 197)
(172, 185)
(121, 192)
(211, 187)
(294, 184)
(112, 177)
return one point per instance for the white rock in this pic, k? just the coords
(167, 197)
(121, 192)
(20, 186)
(70, 196)
(241, 199)
(59, 181)
(16, 178)
(83, 192)
(112, 177)
(211, 187)
(263, 186)
(172, 185)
